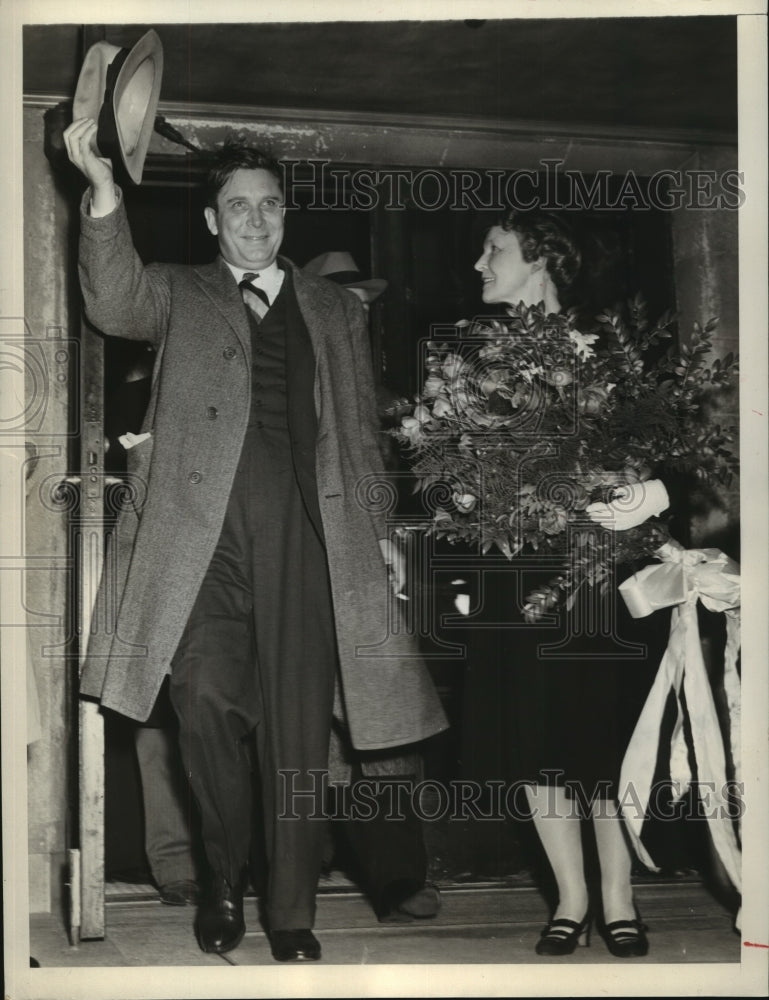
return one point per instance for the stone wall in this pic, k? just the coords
(706, 259)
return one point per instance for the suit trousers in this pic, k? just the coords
(259, 653)
(168, 819)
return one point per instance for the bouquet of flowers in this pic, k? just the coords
(522, 423)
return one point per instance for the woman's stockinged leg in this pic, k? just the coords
(616, 861)
(623, 932)
(557, 823)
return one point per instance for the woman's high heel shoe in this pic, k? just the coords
(626, 938)
(562, 936)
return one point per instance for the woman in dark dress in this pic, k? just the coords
(569, 694)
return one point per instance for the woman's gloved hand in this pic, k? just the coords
(632, 505)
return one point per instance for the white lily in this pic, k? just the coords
(582, 342)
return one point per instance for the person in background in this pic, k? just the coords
(168, 804)
(339, 266)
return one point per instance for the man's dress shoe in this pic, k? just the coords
(179, 893)
(400, 905)
(220, 919)
(294, 946)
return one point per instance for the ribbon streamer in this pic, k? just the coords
(683, 577)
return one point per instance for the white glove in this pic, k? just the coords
(633, 505)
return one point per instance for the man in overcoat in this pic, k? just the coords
(252, 563)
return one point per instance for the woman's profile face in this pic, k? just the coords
(505, 274)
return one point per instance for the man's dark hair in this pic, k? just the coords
(237, 156)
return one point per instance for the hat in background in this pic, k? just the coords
(339, 266)
(120, 89)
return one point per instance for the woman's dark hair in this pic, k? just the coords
(237, 156)
(541, 234)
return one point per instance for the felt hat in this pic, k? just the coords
(120, 89)
(339, 266)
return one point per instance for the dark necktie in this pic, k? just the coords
(255, 298)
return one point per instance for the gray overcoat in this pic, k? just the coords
(195, 318)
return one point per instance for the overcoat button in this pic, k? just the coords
(212, 413)
(229, 353)
(195, 477)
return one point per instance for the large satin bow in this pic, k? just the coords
(683, 577)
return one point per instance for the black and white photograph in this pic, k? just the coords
(384, 535)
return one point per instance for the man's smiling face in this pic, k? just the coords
(248, 219)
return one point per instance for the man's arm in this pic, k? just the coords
(122, 297)
(369, 424)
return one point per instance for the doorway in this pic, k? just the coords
(427, 258)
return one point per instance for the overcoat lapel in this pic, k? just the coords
(219, 285)
(314, 304)
(317, 301)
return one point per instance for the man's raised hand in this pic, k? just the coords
(80, 140)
